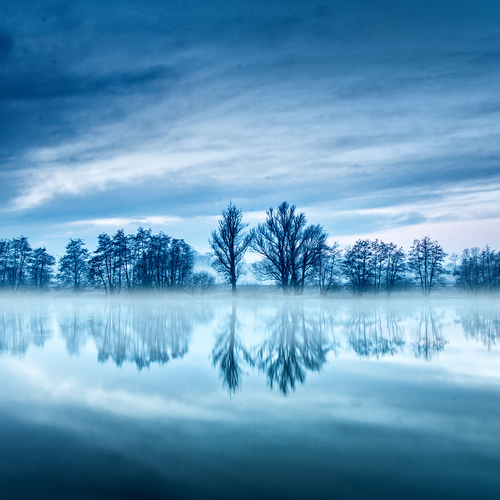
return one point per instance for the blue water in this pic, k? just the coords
(174, 398)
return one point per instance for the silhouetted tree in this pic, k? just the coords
(41, 267)
(290, 252)
(121, 252)
(203, 281)
(19, 259)
(4, 262)
(426, 259)
(310, 256)
(395, 265)
(139, 245)
(229, 244)
(478, 269)
(357, 266)
(102, 262)
(329, 270)
(180, 263)
(74, 265)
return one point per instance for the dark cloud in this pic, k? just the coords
(34, 86)
(6, 46)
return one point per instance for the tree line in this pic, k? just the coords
(120, 262)
(292, 254)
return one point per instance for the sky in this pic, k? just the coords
(375, 118)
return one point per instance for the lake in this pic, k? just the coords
(171, 397)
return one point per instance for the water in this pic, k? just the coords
(172, 398)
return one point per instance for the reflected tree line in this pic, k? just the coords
(139, 334)
(291, 254)
(482, 323)
(19, 329)
(297, 339)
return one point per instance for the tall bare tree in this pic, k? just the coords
(229, 243)
(290, 251)
(426, 259)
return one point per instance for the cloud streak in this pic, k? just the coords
(344, 108)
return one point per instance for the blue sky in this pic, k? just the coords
(377, 119)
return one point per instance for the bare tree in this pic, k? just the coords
(426, 259)
(229, 244)
(290, 251)
(357, 266)
(329, 268)
(478, 269)
(395, 265)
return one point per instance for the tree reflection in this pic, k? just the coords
(21, 328)
(229, 353)
(370, 333)
(141, 334)
(295, 345)
(73, 326)
(481, 323)
(430, 339)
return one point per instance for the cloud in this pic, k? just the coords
(115, 111)
(122, 222)
(43, 184)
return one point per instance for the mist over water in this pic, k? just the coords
(155, 397)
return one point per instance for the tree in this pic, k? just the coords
(328, 269)
(357, 266)
(102, 262)
(4, 262)
(40, 267)
(229, 244)
(478, 269)
(426, 259)
(290, 252)
(180, 263)
(139, 248)
(19, 260)
(74, 265)
(312, 249)
(121, 252)
(395, 265)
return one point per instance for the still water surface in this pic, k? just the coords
(156, 398)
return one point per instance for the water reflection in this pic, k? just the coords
(481, 323)
(140, 333)
(20, 328)
(295, 344)
(296, 337)
(229, 353)
(372, 332)
(429, 335)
